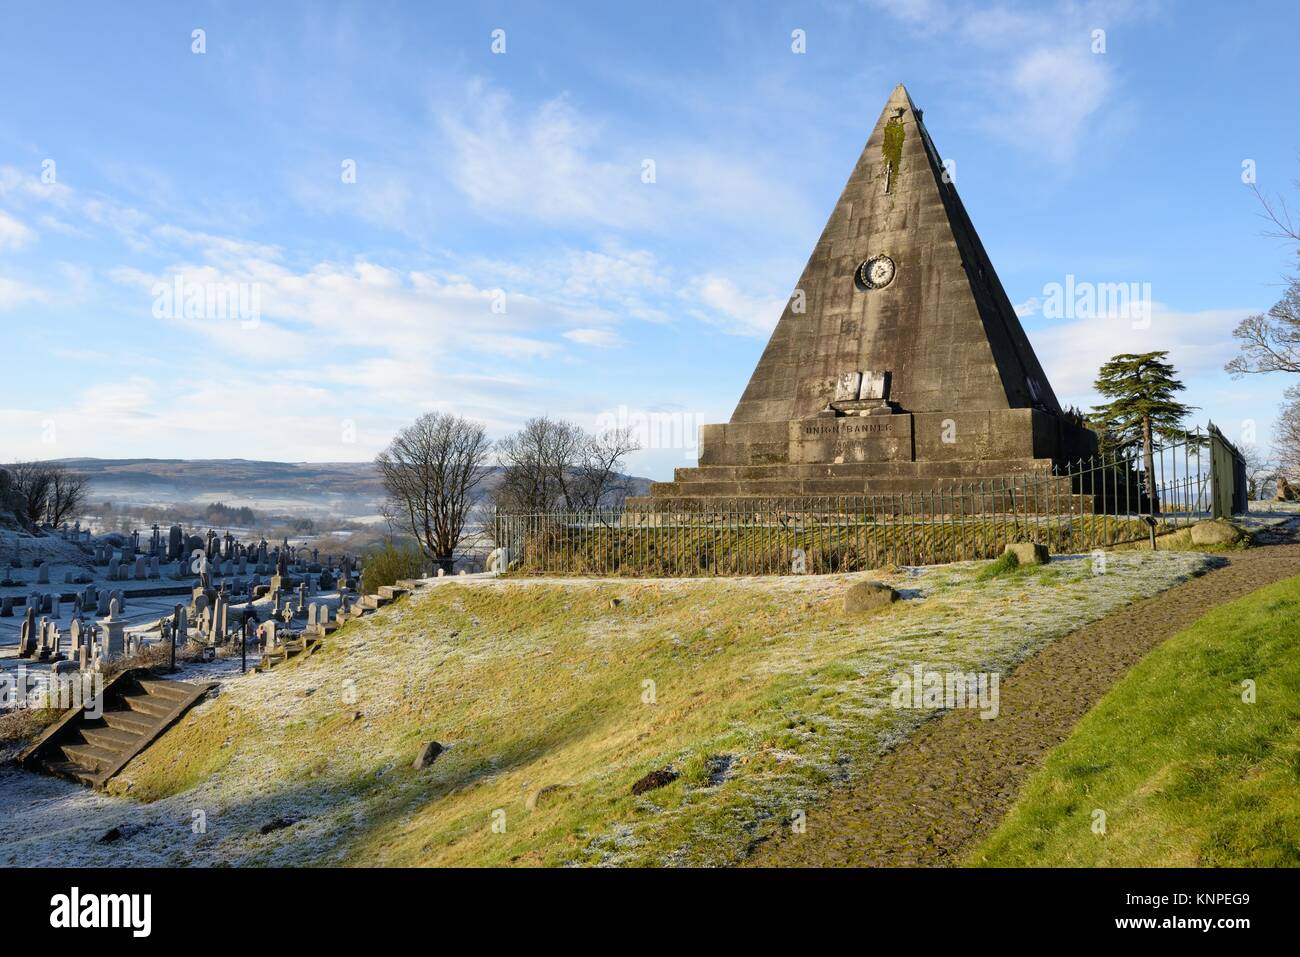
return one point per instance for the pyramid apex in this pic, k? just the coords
(900, 100)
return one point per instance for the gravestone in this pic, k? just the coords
(27, 636)
(114, 627)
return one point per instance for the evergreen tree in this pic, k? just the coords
(1141, 389)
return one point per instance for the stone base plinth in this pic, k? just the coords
(894, 454)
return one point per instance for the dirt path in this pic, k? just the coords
(929, 801)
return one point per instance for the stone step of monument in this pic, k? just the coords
(393, 592)
(1050, 486)
(374, 602)
(91, 749)
(974, 471)
(879, 506)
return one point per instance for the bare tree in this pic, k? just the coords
(67, 495)
(430, 471)
(551, 463)
(534, 461)
(1286, 435)
(33, 480)
(1259, 469)
(1270, 341)
(54, 492)
(598, 478)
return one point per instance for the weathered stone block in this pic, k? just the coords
(865, 596)
(1218, 532)
(428, 754)
(1028, 553)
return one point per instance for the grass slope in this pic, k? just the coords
(764, 696)
(1186, 772)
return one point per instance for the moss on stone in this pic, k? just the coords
(892, 148)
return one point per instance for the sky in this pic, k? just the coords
(592, 211)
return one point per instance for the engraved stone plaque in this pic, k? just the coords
(847, 386)
(875, 385)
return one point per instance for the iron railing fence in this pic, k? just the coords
(1084, 505)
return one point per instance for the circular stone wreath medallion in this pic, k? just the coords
(876, 272)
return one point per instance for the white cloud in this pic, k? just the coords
(1055, 90)
(724, 304)
(13, 233)
(1030, 307)
(543, 166)
(1071, 352)
(558, 165)
(602, 338)
(14, 293)
(1048, 86)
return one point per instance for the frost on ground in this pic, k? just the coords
(768, 696)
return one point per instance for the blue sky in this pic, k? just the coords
(499, 254)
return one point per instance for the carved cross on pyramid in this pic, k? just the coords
(899, 280)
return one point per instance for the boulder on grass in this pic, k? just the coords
(428, 754)
(1285, 491)
(865, 596)
(547, 796)
(1028, 553)
(1216, 532)
(655, 779)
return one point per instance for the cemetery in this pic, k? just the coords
(75, 606)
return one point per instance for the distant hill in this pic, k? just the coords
(348, 489)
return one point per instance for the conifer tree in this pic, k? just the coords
(1141, 389)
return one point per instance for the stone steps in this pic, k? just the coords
(1048, 494)
(927, 471)
(883, 507)
(90, 750)
(292, 648)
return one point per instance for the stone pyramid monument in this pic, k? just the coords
(898, 363)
